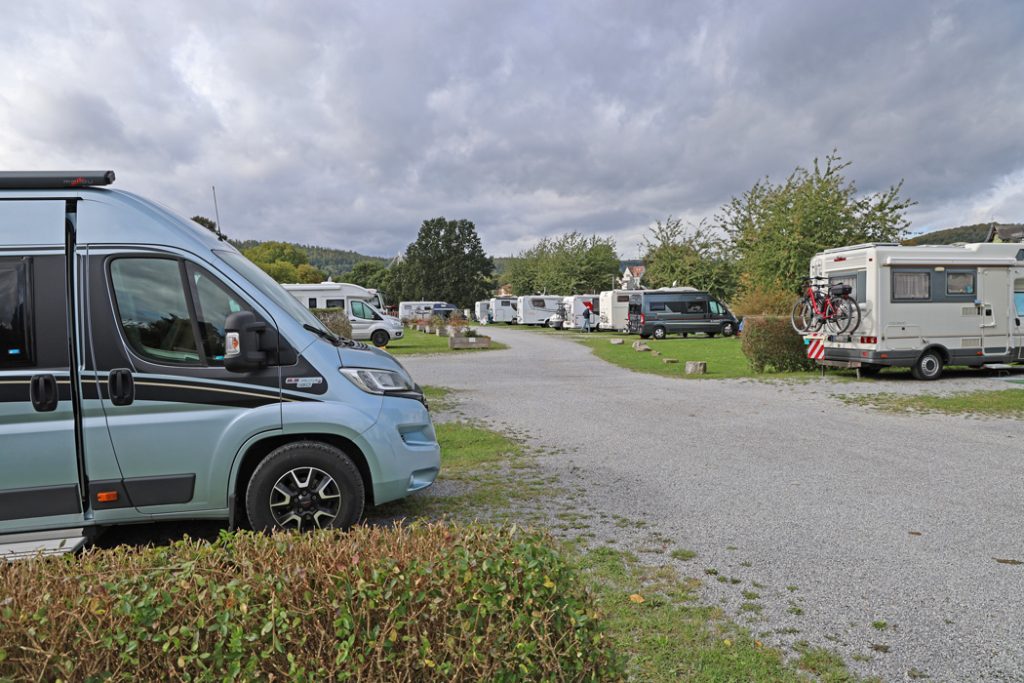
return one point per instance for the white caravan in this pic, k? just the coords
(614, 305)
(503, 309)
(574, 307)
(925, 307)
(334, 295)
(480, 310)
(536, 309)
(409, 310)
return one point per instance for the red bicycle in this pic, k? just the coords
(824, 307)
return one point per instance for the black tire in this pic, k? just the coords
(380, 338)
(659, 332)
(728, 329)
(928, 367)
(684, 335)
(289, 489)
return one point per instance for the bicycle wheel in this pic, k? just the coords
(855, 317)
(802, 316)
(840, 314)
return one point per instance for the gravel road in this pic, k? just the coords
(894, 518)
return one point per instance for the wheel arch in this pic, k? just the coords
(258, 450)
(942, 351)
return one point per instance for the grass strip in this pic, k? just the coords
(998, 403)
(416, 342)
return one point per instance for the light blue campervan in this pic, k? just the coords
(182, 382)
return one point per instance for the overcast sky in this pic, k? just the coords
(347, 124)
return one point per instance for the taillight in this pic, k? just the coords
(643, 318)
(869, 340)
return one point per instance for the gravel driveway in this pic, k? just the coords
(890, 518)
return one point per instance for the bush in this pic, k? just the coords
(763, 302)
(335, 319)
(771, 345)
(425, 603)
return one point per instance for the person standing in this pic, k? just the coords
(586, 318)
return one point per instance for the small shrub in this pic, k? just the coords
(763, 302)
(335, 319)
(771, 345)
(425, 603)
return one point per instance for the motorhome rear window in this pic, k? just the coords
(622, 298)
(911, 285)
(15, 333)
(506, 303)
(848, 280)
(960, 283)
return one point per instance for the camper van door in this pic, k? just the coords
(994, 290)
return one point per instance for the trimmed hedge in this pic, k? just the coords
(425, 603)
(771, 345)
(335, 319)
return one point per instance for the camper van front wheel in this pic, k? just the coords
(380, 338)
(303, 486)
(728, 329)
(928, 366)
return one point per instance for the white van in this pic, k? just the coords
(334, 295)
(361, 305)
(410, 310)
(503, 309)
(614, 305)
(536, 309)
(925, 307)
(574, 307)
(480, 311)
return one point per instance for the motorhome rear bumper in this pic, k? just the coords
(896, 359)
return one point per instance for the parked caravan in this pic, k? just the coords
(481, 310)
(504, 309)
(368, 321)
(149, 371)
(536, 309)
(574, 307)
(925, 307)
(681, 310)
(614, 305)
(334, 295)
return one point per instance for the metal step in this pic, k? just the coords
(57, 542)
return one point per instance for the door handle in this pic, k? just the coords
(42, 390)
(121, 387)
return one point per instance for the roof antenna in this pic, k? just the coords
(216, 212)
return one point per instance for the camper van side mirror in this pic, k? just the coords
(242, 333)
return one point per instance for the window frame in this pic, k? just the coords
(186, 289)
(927, 273)
(333, 303)
(28, 360)
(193, 293)
(958, 271)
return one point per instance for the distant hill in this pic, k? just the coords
(965, 233)
(334, 262)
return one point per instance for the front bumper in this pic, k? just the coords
(408, 457)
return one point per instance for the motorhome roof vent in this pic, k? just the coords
(53, 180)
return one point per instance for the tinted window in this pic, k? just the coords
(960, 283)
(153, 310)
(537, 303)
(1018, 297)
(657, 305)
(312, 302)
(622, 298)
(714, 307)
(506, 303)
(214, 303)
(336, 303)
(15, 350)
(695, 307)
(911, 286)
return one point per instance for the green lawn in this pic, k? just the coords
(723, 355)
(415, 341)
(999, 403)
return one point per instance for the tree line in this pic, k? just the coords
(752, 252)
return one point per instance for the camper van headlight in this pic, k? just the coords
(377, 381)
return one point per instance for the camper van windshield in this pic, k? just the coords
(266, 284)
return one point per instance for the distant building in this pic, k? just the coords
(631, 277)
(1009, 232)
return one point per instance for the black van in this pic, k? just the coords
(683, 311)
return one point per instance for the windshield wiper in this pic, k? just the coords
(329, 336)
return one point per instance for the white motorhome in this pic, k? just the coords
(574, 307)
(480, 310)
(503, 309)
(536, 309)
(925, 307)
(334, 295)
(408, 310)
(614, 305)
